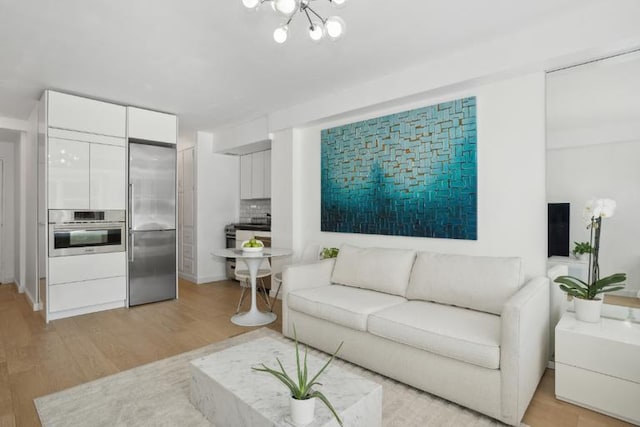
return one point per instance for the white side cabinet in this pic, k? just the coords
(152, 125)
(597, 365)
(255, 175)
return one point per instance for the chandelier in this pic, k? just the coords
(332, 27)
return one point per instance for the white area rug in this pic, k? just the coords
(157, 394)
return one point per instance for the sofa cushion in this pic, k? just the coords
(343, 305)
(383, 270)
(480, 283)
(458, 333)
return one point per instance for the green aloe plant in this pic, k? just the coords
(302, 388)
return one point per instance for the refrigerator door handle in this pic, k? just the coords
(131, 205)
(131, 244)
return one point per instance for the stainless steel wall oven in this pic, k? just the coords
(86, 232)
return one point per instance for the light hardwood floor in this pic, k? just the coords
(38, 359)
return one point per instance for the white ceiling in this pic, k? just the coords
(213, 62)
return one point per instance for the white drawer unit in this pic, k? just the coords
(85, 115)
(152, 125)
(597, 365)
(79, 268)
(78, 295)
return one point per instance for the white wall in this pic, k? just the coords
(18, 244)
(28, 210)
(511, 177)
(7, 239)
(611, 170)
(218, 201)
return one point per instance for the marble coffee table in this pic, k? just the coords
(229, 393)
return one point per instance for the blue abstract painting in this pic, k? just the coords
(407, 174)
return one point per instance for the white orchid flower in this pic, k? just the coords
(604, 208)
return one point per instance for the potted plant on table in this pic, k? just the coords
(302, 400)
(587, 296)
(581, 250)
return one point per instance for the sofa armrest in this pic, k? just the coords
(523, 350)
(303, 276)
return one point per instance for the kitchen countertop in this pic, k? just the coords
(255, 227)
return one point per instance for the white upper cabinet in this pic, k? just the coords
(68, 174)
(108, 177)
(267, 174)
(85, 115)
(152, 125)
(255, 175)
(245, 176)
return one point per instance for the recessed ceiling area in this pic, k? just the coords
(215, 63)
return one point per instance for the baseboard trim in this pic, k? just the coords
(189, 277)
(208, 279)
(36, 305)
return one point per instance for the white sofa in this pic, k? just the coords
(461, 327)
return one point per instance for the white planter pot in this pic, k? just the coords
(302, 411)
(588, 310)
(583, 257)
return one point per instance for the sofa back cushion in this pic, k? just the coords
(476, 282)
(377, 269)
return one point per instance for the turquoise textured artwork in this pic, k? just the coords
(407, 174)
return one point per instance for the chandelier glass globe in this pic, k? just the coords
(338, 3)
(335, 27)
(316, 32)
(250, 4)
(285, 7)
(280, 34)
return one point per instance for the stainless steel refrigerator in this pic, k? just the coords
(152, 223)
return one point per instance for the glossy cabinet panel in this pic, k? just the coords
(152, 125)
(255, 175)
(85, 115)
(107, 177)
(68, 182)
(69, 296)
(79, 268)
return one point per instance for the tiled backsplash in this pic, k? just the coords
(257, 208)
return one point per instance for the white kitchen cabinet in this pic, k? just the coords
(107, 173)
(85, 115)
(86, 175)
(255, 175)
(245, 176)
(68, 182)
(79, 268)
(86, 283)
(152, 125)
(267, 174)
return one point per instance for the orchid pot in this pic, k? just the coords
(588, 310)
